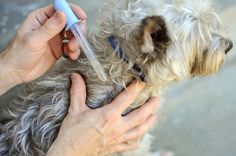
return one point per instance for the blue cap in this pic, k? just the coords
(62, 5)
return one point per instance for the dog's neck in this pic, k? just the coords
(135, 69)
(118, 71)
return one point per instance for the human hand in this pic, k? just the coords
(102, 131)
(38, 44)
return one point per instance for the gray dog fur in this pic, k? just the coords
(170, 40)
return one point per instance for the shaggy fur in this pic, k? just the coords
(169, 40)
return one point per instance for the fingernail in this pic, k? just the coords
(73, 76)
(137, 86)
(73, 56)
(140, 84)
(56, 20)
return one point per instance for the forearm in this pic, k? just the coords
(7, 77)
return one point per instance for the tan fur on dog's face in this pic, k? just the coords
(170, 40)
(198, 34)
(186, 41)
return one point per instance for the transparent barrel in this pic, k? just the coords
(84, 44)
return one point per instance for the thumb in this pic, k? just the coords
(77, 95)
(53, 26)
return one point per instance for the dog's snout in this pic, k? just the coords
(229, 45)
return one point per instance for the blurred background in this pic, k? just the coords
(198, 117)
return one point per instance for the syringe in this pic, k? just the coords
(73, 24)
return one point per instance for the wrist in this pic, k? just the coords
(8, 77)
(58, 149)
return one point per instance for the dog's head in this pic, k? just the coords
(198, 43)
(172, 39)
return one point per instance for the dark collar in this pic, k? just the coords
(136, 70)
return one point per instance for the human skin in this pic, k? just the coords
(103, 131)
(35, 48)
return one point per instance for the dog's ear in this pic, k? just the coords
(153, 35)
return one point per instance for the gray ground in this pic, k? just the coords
(198, 117)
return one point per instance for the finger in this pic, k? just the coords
(69, 34)
(139, 116)
(73, 55)
(48, 10)
(126, 98)
(53, 26)
(43, 14)
(77, 95)
(78, 12)
(83, 23)
(137, 132)
(73, 45)
(37, 18)
(123, 147)
(67, 48)
(56, 45)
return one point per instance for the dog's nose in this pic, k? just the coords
(229, 46)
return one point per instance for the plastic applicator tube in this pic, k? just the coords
(73, 24)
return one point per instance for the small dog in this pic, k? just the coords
(155, 41)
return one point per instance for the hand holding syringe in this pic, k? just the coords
(73, 24)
